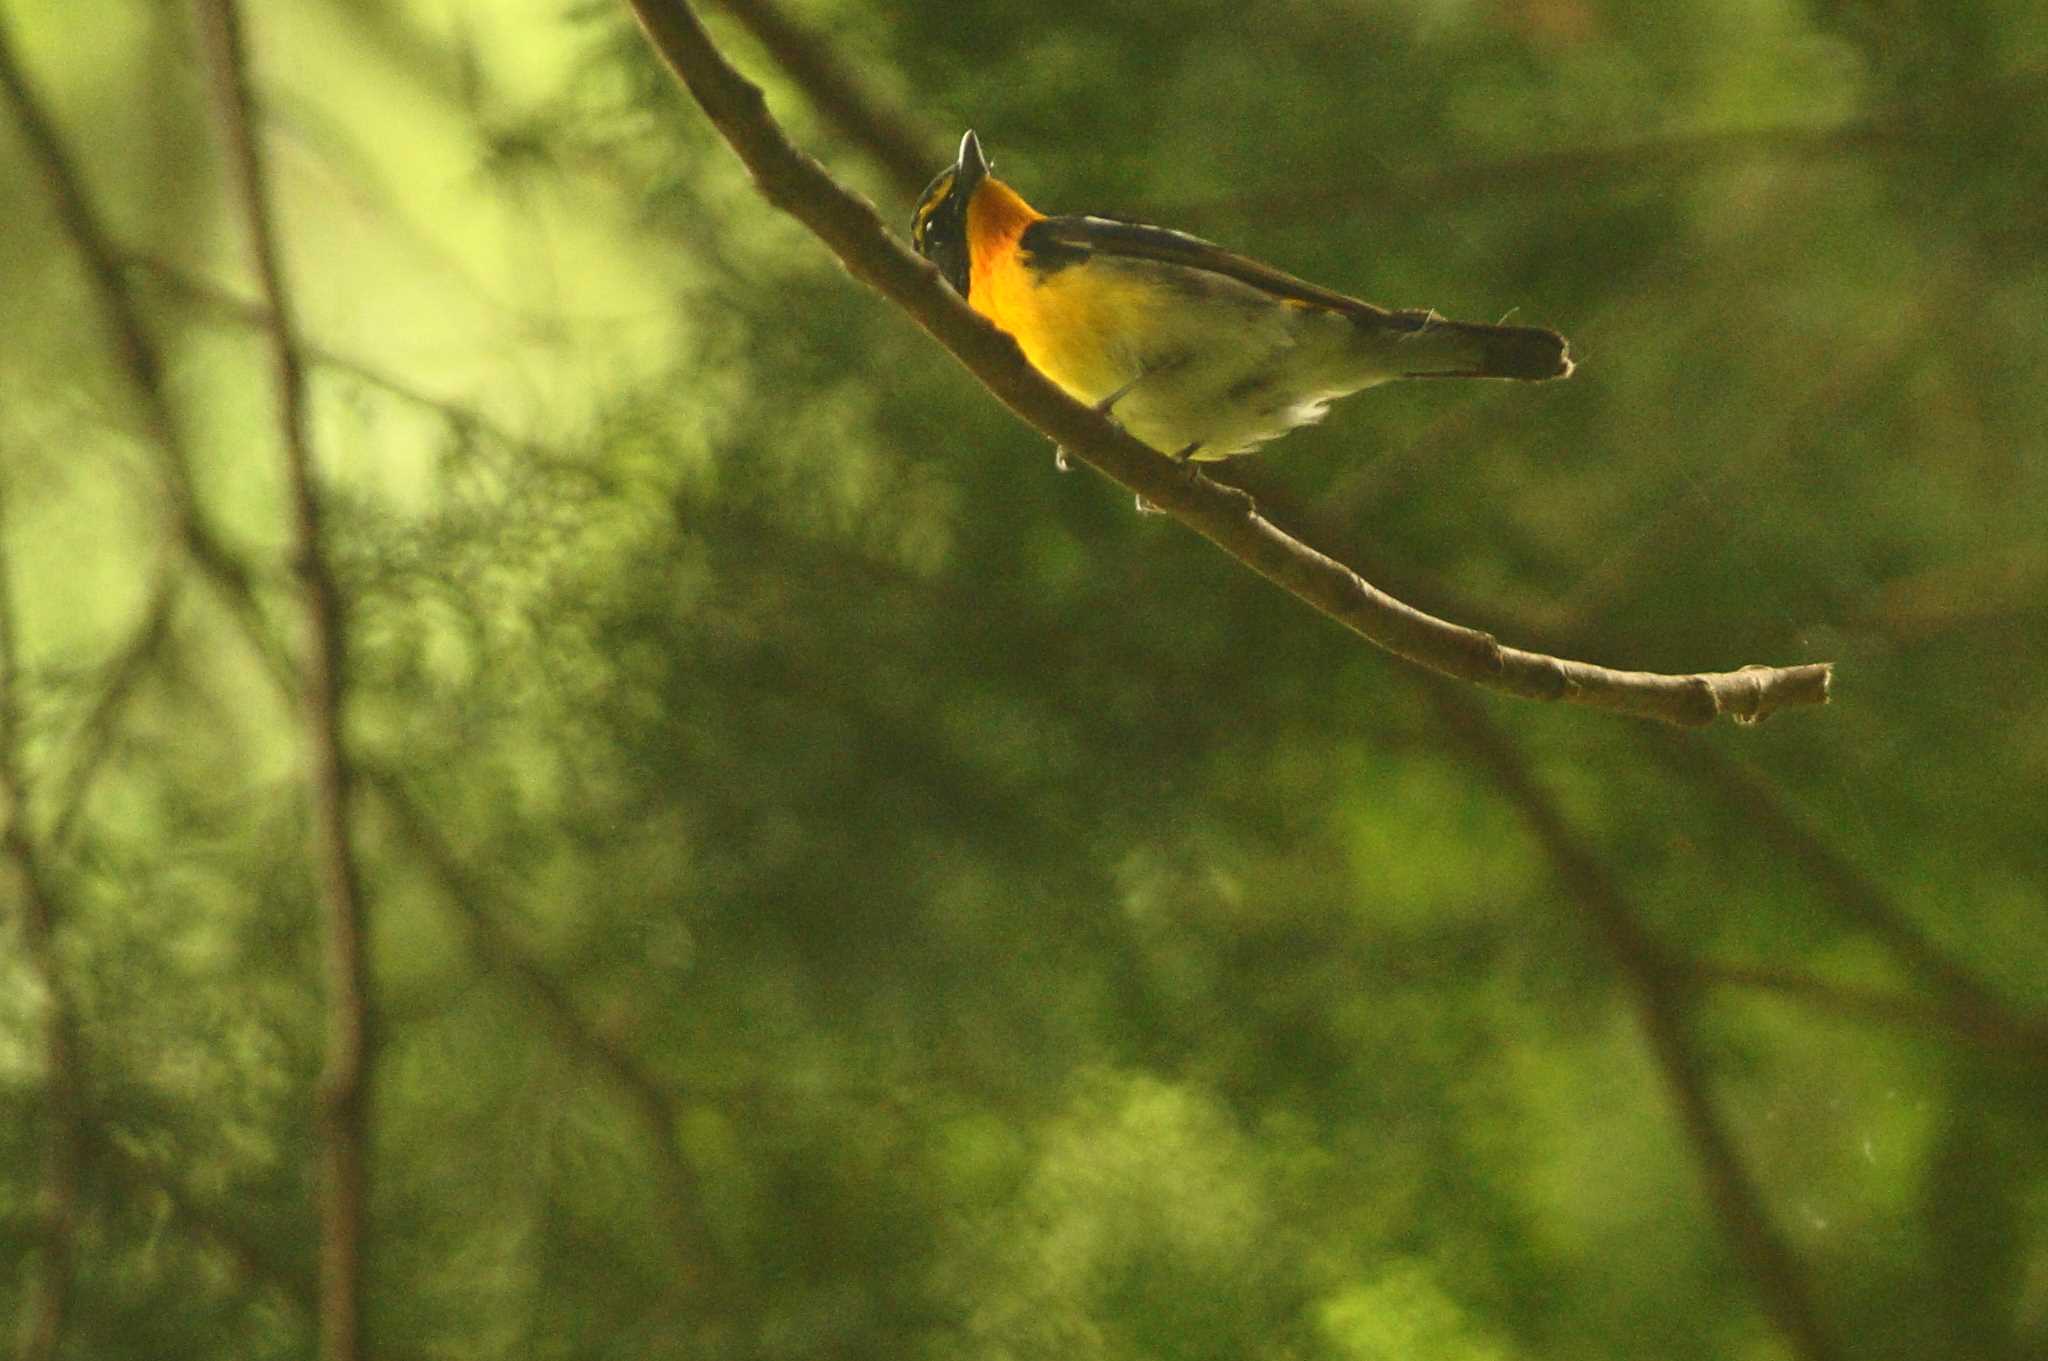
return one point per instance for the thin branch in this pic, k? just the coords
(1997, 1029)
(67, 194)
(1403, 188)
(1858, 897)
(137, 356)
(344, 1096)
(123, 676)
(242, 311)
(810, 61)
(502, 957)
(1397, 187)
(1658, 991)
(800, 187)
(44, 1310)
(254, 1254)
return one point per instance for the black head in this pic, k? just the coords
(938, 230)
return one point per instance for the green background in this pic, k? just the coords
(842, 888)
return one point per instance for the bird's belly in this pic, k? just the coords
(1203, 362)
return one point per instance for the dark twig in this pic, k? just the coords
(138, 361)
(1856, 896)
(810, 61)
(504, 958)
(255, 1256)
(122, 674)
(1995, 1029)
(344, 1098)
(1404, 188)
(241, 311)
(1659, 992)
(138, 356)
(799, 186)
(132, 344)
(1777, 824)
(44, 1309)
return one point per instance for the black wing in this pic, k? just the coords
(1055, 242)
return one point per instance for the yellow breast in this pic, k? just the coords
(1073, 324)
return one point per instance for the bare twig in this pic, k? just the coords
(2026, 1036)
(799, 186)
(122, 673)
(138, 360)
(1659, 992)
(138, 356)
(255, 1255)
(1856, 896)
(504, 958)
(810, 61)
(44, 1309)
(241, 311)
(344, 1098)
(1402, 188)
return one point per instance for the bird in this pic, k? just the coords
(1200, 353)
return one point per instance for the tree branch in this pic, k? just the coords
(809, 60)
(255, 1256)
(43, 1314)
(800, 187)
(1778, 825)
(504, 958)
(137, 353)
(1988, 1027)
(344, 1096)
(241, 311)
(1857, 897)
(1658, 991)
(123, 674)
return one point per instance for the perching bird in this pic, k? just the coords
(1199, 353)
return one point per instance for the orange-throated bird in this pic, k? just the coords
(1198, 352)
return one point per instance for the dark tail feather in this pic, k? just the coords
(1471, 349)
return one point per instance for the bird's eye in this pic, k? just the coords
(934, 194)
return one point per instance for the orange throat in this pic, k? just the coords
(996, 217)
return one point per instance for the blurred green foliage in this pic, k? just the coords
(1051, 941)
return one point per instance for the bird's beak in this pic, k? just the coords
(972, 167)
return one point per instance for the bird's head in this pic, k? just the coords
(938, 230)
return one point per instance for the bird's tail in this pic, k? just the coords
(1424, 345)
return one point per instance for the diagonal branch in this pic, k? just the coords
(137, 353)
(256, 1256)
(48, 1298)
(1659, 991)
(2022, 1035)
(1856, 896)
(230, 307)
(1777, 823)
(801, 187)
(828, 84)
(344, 1096)
(504, 958)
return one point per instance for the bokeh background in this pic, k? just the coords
(842, 888)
